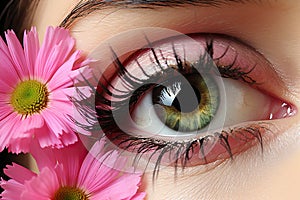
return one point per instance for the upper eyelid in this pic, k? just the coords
(232, 42)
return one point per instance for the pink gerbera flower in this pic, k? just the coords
(71, 174)
(34, 85)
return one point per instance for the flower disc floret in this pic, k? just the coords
(29, 97)
(70, 193)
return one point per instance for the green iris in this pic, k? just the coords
(70, 193)
(189, 104)
(29, 97)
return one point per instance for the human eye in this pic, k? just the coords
(182, 100)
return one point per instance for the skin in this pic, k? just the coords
(271, 28)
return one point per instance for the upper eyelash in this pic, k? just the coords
(229, 71)
(106, 107)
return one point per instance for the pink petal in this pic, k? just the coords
(17, 54)
(64, 106)
(62, 95)
(93, 174)
(19, 173)
(100, 178)
(47, 138)
(64, 76)
(51, 156)
(30, 123)
(57, 122)
(4, 48)
(31, 49)
(85, 74)
(82, 62)
(68, 138)
(125, 187)
(8, 129)
(12, 190)
(20, 145)
(68, 172)
(14, 187)
(5, 109)
(34, 121)
(55, 49)
(5, 88)
(42, 155)
(41, 187)
(16, 133)
(57, 131)
(9, 73)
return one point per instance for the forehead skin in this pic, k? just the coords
(270, 27)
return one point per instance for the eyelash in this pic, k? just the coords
(141, 145)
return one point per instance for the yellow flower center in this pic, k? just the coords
(70, 193)
(29, 97)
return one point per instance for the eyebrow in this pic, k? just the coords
(86, 7)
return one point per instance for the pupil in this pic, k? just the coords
(183, 102)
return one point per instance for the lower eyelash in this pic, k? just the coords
(184, 151)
